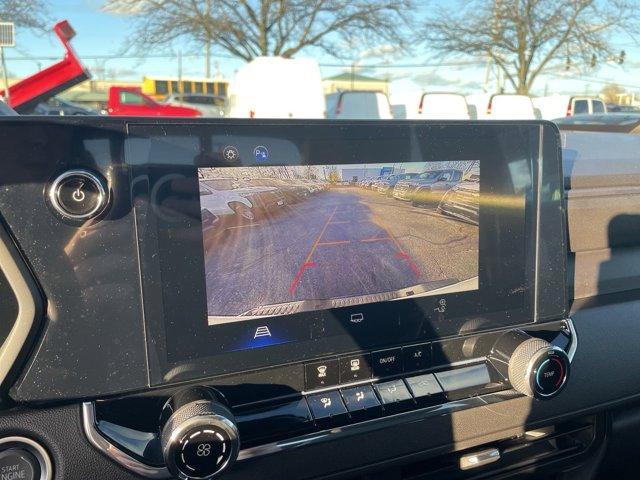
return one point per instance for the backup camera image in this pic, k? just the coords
(283, 240)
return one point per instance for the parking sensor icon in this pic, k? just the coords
(262, 332)
(260, 153)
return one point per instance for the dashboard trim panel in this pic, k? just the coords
(112, 451)
(126, 460)
(17, 337)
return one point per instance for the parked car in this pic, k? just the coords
(208, 105)
(558, 106)
(58, 106)
(503, 106)
(313, 186)
(6, 109)
(368, 182)
(608, 122)
(130, 101)
(220, 209)
(615, 108)
(264, 199)
(321, 183)
(293, 190)
(429, 194)
(358, 105)
(462, 201)
(422, 190)
(276, 87)
(379, 181)
(399, 111)
(387, 185)
(444, 106)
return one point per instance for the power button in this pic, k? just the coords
(78, 194)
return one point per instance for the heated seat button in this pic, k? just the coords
(327, 408)
(18, 464)
(78, 194)
(361, 401)
(387, 362)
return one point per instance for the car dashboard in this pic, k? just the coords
(233, 299)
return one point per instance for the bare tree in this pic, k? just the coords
(525, 37)
(610, 93)
(250, 28)
(30, 14)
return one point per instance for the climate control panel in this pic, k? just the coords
(199, 432)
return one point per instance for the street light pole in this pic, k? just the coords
(7, 95)
(180, 70)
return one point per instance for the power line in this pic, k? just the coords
(586, 78)
(464, 63)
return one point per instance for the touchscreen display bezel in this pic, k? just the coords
(164, 161)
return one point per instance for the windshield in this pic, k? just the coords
(371, 59)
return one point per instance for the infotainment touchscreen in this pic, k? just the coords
(270, 243)
(290, 239)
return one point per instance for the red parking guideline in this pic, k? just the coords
(308, 262)
(410, 263)
(296, 279)
(401, 254)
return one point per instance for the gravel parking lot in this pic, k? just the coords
(343, 242)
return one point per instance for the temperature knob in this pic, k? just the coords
(199, 435)
(533, 366)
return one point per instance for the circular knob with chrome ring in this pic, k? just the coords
(533, 366)
(199, 436)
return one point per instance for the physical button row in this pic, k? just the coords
(368, 401)
(361, 366)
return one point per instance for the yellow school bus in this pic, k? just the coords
(161, 87)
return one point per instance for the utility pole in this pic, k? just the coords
(495, 30)
(207, 60)
(7, 97)
(180, 70)
(7, 39)
(353, 75)
(207, 44)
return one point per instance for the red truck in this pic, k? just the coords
(26, 94)
(131, 102)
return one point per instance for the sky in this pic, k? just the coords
(103, 34)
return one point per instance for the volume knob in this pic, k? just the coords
(533, 366)
(199, 435)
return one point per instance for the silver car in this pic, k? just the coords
(208, 105)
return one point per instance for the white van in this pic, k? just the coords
(503, 106)
(358, 105)
(442, 106)
(276, 87)
(558, 106)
